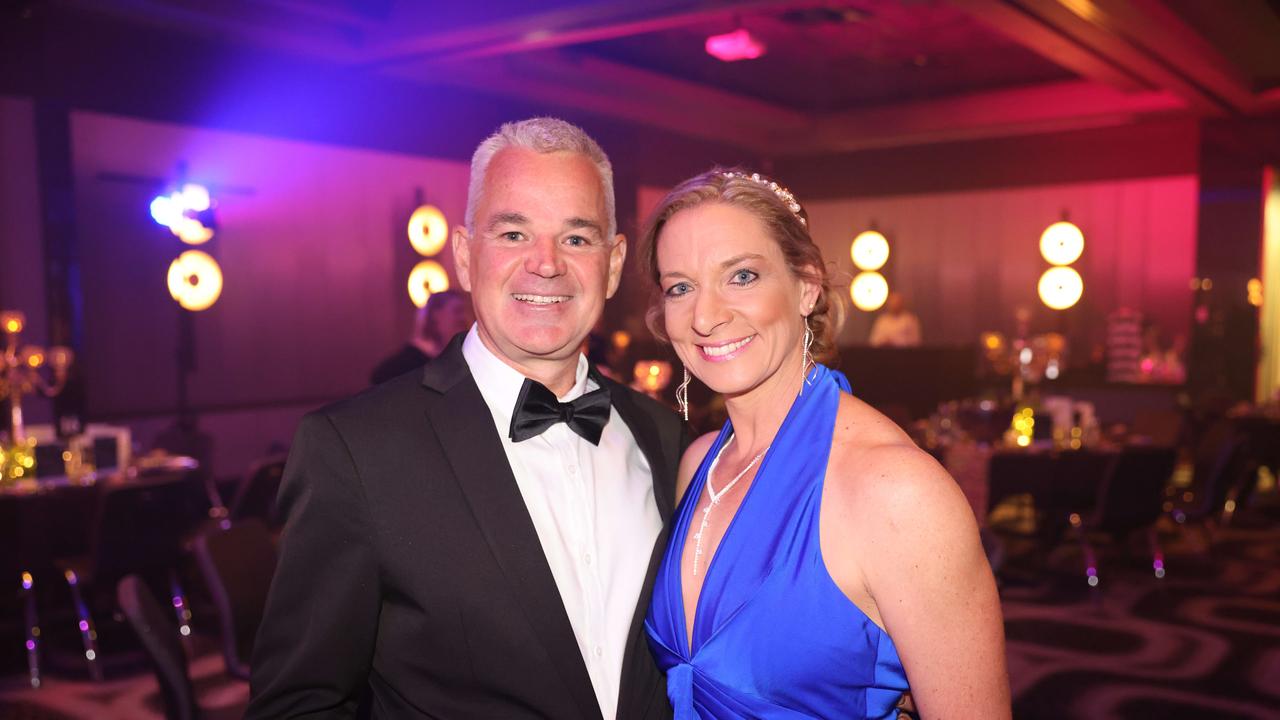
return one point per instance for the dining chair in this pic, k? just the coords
(138, 528)
(255, 496)
(237, 564)
(159, 637)
(1130, 499)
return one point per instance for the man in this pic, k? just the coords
(897, 326)
(463, 541)
(444, 315)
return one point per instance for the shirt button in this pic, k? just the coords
(587, 558)
(573, 470)
(599, 651)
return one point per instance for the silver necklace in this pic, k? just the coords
(714, 498)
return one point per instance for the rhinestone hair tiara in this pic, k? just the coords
(783, 194)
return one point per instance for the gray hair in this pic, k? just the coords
(542, 135)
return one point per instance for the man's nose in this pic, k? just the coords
(544, 257)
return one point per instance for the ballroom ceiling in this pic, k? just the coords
(837, 75)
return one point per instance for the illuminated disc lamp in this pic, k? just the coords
(1061, 243)
(1060, 287)
(427, 278)
(870, 250)
(195, 280)
(428, 230)
(869, 291)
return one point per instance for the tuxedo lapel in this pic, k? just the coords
(476, 456)
(636, 689)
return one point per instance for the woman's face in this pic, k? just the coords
(733, 310)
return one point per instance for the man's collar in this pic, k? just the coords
(500, 383)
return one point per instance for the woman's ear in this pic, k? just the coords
(809, 290)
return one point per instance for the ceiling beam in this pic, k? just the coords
(1100, 32)
(1049, 42)
(559, 78)
(1052, 107)
(1149, 25)
(572, 26)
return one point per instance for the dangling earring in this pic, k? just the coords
(682, 395)
(806, 358)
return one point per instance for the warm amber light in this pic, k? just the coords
(190, 231)
(621, 339)
(428, 230)
(13, 321)
(652, 375)
(426, 278)
(1254, 287)
(1060, 287)
(35, 360)
(1061, 243)
(870, 250)
(869, 291)
(195, 280)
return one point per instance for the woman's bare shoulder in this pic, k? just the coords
(875, 467)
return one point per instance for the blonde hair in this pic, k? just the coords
(786, 226)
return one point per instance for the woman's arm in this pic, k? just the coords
(908, 534)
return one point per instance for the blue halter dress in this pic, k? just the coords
(773, 635)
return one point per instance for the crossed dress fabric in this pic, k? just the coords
(773, 635)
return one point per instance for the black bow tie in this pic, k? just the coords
(538, 409)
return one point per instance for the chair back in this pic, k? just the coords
(1159, 426)
(1132, 496)
(159, 637)
(256, 495)
(139, 526)
(237, 564)
(1228, 468)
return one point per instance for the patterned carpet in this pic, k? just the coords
(1203, 642)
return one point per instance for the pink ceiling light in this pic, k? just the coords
(737, 45)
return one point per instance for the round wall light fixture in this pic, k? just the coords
(1060, 287)
(870, 250)
(195, 280)
(428, 230)
(427, 278)
(868, 291)
(1061, 243)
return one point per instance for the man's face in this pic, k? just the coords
(539, 266)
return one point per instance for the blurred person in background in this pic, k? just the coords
(446, 314)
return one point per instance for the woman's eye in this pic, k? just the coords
(677, 290)
(744, 277)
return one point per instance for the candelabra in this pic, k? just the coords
(22, 373)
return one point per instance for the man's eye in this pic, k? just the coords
(577, 241)
(511, 235)
(744, 277)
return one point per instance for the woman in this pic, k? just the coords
(820, 565)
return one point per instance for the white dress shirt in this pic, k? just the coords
(593, 509)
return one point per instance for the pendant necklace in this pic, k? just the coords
(714, 498)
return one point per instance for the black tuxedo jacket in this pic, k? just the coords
(409, 565)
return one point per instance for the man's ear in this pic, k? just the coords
(617, 258)
(462, 257)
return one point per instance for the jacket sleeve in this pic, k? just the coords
(315, 645)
